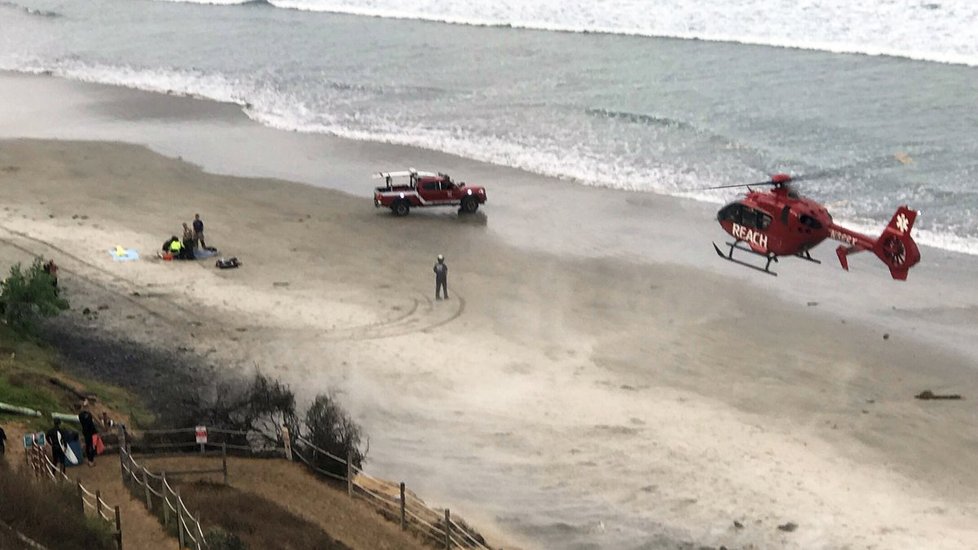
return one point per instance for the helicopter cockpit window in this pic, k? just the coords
(730, 212)
(809, 221)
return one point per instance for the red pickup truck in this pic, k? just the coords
(410, 188)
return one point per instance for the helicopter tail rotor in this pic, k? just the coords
(895, 247)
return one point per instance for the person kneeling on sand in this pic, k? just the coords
(175, 248)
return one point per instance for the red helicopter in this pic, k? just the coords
(780, 222)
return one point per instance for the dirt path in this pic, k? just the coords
(304, 495)
(140, 529)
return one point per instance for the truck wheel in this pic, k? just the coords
(401, 208)
(470, 205)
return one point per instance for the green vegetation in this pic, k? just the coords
(27, 296)
(49, 513)
(26, 370)
(260, 408)
(331, 429)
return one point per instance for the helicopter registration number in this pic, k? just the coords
(755, 238)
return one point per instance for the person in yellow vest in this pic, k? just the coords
(176, 248)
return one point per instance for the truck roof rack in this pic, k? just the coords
(410, 172)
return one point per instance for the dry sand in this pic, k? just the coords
(555, 400)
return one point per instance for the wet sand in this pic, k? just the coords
(585, 385)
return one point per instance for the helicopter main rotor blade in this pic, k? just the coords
(768, 182)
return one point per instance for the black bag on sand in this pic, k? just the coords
(228, 263)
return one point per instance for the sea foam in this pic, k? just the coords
(944, 32)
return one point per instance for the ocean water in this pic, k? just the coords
(666, 97)
(660, 97)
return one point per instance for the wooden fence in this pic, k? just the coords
(394, 502)
(160, 497)
(44, 468)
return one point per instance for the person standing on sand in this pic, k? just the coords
(199, 231)
(441, 278)
(89, 430)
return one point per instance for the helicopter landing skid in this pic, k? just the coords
(808, 257)
(729, 257)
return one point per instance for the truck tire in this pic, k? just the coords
(470, 205)
(401, 208)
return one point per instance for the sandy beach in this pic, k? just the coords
(591, 383)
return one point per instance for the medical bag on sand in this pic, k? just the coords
(228, 263)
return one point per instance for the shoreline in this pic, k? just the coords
(644, 363)
(935, 305)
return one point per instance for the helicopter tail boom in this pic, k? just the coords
(895, 247)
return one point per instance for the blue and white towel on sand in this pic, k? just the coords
(120, 254)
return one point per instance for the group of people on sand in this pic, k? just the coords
(193, 237)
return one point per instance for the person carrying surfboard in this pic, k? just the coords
(57, 438)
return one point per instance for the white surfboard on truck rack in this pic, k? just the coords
(410, 172)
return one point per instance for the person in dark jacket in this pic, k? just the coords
(199, 231)
(88, 431)
(57, 438)
(441, 278)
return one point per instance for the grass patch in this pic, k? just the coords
(49, 513)
(26, 368)
(254, 520)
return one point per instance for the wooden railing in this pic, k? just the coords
(44, 468)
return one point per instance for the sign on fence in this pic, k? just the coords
(33, 439)
(201, 434)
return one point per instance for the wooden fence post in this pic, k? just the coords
(349, 472)
(81, 497)
(287, 442)
(98, 503)
(200, 531)
(180, 523)
(403, 524)
(118, 529)
(122, 455)
(149, 497)
(448, 529)
(166, 507)
(224, 461)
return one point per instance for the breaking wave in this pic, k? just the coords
(268, 106)
(30, 11)
(945, 32)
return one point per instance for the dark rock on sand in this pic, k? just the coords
(927, 394)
